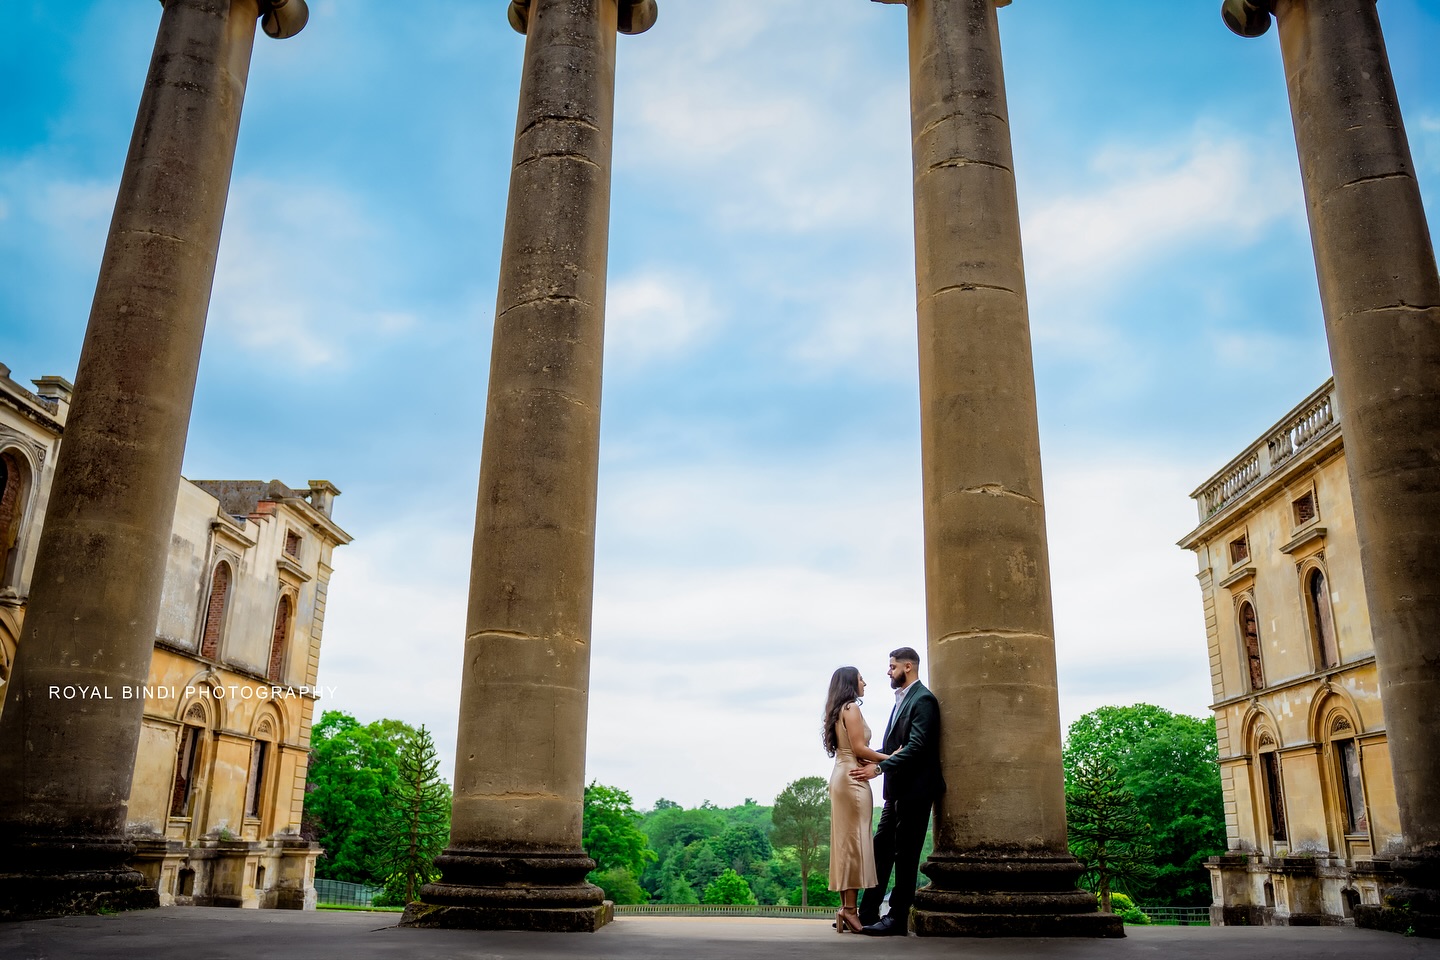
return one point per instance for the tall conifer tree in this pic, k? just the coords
(417, 818)
(1108, 832)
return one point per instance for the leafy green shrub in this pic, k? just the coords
(1126, 910)
(620, 885)
(729, 887)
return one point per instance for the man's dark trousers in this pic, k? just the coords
(898, 841)
(913, 782)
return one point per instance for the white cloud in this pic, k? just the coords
(866, 322)
(655, 314)
(1140, 206)
(302, 270)
(724, 107)
(725, 596)
(395, 625)
(70, 216)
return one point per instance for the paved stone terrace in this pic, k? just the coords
(197, 933)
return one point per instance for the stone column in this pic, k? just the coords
(515, 859)
(66, 764)
(1001, 865)
(1381, 298)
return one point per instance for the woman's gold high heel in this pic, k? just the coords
(847, 922)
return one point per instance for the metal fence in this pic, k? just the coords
(345, 894)
(722, 910)
(1183, 916)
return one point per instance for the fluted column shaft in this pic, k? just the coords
(515, 857)
(1381, 298)
(66, 764)
(1000, 839)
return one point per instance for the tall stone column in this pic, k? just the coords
(1001, 865)
(515, 859)
(1380, 294)
(66, 764)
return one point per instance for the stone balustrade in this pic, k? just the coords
(1314, 419)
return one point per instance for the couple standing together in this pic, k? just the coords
(913, 782)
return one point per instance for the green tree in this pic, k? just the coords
(620, 885)
(611, 835)
(353, 772)
(1170, 762)
(743, 847)
(817, 892)
(701, 864)
(729, 887)
(1108, 833)
(670, 825)
(417, 818)
(802, 820)
(672, 886)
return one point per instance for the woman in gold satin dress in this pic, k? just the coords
(847, 739)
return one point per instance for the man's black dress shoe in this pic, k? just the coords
(886, 926)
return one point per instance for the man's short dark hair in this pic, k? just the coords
(906, 653)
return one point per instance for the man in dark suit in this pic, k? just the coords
(913, 782)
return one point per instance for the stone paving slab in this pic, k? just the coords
(199, 933)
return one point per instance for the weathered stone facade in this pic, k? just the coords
(1310, 807)
(219, 776)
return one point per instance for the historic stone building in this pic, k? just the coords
(1310, 807)
(219, 777)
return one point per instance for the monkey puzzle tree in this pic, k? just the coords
(802, 820)
(1108, 832)
(1170, 762)
(417, 818)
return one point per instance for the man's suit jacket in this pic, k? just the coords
(913, 742)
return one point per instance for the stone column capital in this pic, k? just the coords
(1247, 18)
(636, 16)
(280, 19)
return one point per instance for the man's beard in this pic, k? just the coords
(897, 681)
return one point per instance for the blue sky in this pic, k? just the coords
(759, 489)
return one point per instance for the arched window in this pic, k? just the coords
(13, 476)
(277, 641)
(1250, 634)
(215, 611)
(259, 762)
(187, 761)
(1273, 786)
(1351, 786)
(1322, 620)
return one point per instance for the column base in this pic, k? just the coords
(536, 919)
(485, 890)
(999, 896)
(60, 877)
(1413, 907)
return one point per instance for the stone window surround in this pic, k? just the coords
(1247, 597)
(1265, 810)
(1235, 559)
(1297, 494)
(31, 457)
(207, 594)
(204, 754)
(1305, 568)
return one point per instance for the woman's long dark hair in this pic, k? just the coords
(844, 688)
